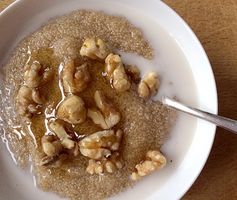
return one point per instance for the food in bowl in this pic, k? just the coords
(85, 119)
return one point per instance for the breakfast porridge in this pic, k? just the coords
(82, 117)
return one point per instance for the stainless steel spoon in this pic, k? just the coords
(226, 123)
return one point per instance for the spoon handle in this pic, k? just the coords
(226, 123)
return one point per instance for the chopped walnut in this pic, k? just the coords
(112, 62)
(96, 154)
(72, 110)
(51, 145)
(97, 117)
(133, 72)
(75, 79)
(121, 82)
(149, 85)
(100, 145)
(109, 165)
(36, 75)
(115, 71)
(65, 139)
(143, 90)
(154, 161)
(94, 49)
(104, 122)
(111, 115)
(56, 151)
(28, 101)
(94, 167)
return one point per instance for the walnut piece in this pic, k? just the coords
(121, 82)
(94, 49)
(75, 79)
(107, 116)
(51, 146)
(154, 161)
(149, 85)
(95, 167)
(65, 139)
(28, 101)
(115, 71)
(112, 62)
(110, 115)
(36, 75)
(55, 152)
(100, 145)
(109, 165)
(72, 110)
(97, 117)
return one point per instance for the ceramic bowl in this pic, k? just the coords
(188, 150)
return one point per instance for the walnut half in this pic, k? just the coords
(100, 145)
(154, 161)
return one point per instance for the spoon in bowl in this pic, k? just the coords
(226, 123)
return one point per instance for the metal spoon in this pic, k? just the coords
(226, 123)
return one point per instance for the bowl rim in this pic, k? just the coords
(212, 82)
(17, 3)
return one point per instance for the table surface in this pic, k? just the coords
(215, 23)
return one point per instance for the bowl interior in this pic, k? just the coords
(177, 47)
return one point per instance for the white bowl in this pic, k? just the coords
(187, 149)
